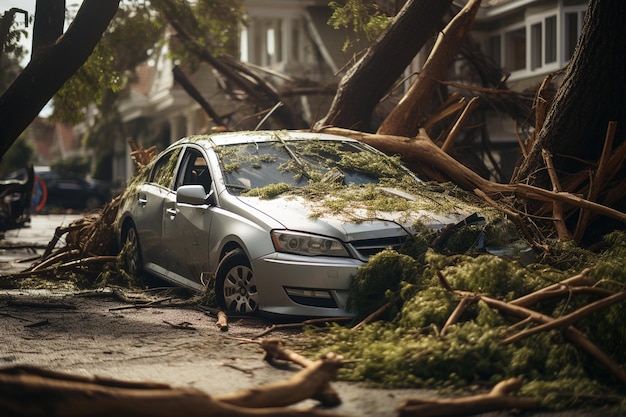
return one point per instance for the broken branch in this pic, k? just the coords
(497, 399)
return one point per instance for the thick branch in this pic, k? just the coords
(557, 206)
(307, 383)
(407, 117)
(193, 92)
(598, 180)
(52, 66)
(497, 399)
(569, 319)
(49, 22)
(64, 395)
(423, 150)
(372, 76)
(581, 279)
(571, 333)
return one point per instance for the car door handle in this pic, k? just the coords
(172, 212)
(142, 201)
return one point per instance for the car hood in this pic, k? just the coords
(356, 223)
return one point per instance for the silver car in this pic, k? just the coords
(280, 220)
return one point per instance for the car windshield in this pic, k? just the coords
(299, 162)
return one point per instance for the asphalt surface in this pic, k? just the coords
(106, 337)
(28, 241)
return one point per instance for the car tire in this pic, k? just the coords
(132, 259)
(235, 285)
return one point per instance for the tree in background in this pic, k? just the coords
(56, 56)
(11, 53)
(114, 49)
(11, 49)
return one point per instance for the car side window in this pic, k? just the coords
(195, 170)
(163, 170)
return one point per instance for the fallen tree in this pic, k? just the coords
(59, 395)
(421, 152)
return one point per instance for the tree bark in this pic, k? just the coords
(65, 395)
(50, 67)
(591, 95)
(408, 116)
(500, 398)
(372, 76)
(49, 21)
(182, 79)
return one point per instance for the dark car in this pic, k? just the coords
(68, 190)
(15, 199)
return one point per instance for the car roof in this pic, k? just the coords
(236, 138)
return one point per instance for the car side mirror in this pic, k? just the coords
(193, 194)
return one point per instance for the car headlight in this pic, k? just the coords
(306, 244)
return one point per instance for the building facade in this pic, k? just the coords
(527, 38)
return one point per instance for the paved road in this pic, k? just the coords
(36, 235)
(102, 336)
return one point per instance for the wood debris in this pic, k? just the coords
(499, 398)
(63, 395)
(222, 321)
(520, 308)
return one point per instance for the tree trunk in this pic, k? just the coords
(50, 67)
(591, 95)
(372, 76)
(49, 21)
(408, 116)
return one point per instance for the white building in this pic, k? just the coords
(291, 37)
(528, 38)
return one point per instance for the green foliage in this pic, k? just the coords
(128, 41)
(488, 274)
(360, 16)
(377, 280)
(79, 166)
(269, 191)
(134, 37)
(406, 348)
(428, 307)
(13, 49)
(18, 156)
(212, 25)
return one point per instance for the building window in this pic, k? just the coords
(573, 22)
(543, 44)
(273, 42)
(270, 45)
(295, 40)
(538, 42)
(515, 47)
(536, 50)
(550, 41)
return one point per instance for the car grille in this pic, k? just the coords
(369, 247)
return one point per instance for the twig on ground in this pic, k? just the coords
(299, 325)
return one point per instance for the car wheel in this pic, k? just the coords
(235, 285)
(132, 258)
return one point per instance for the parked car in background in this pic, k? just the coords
(15, 199)
(280, 220)
(67, 190)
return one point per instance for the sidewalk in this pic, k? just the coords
(32, 240)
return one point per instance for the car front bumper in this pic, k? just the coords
(303, 285)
